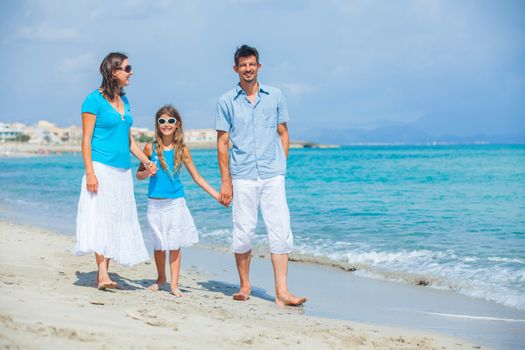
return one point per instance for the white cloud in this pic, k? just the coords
(43, 32)
(298, 89)
(81, 62)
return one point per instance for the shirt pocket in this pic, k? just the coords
(270, 117)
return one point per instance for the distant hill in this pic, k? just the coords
(427, 129)
(403, 135)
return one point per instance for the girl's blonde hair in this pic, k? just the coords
(178, 139)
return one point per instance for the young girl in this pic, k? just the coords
(170, 222)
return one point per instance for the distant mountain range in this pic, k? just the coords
(402, 135)
(427, 129)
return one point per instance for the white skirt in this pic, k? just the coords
(171, 224)
(107, 221)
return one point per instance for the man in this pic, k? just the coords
(253, 116)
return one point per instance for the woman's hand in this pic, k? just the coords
(92, 183)
(151, 168)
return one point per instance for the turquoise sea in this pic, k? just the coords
(453, 216)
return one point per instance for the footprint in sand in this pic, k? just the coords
(141, 315)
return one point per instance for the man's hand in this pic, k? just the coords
(225, 194)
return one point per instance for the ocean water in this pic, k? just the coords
(452, 217)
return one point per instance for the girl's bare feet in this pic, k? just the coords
(176, 292)
(106, 283)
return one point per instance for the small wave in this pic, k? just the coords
(470, 259)
(216, 233)
(440, 270)
(472, 317)
(505, 260)
(375, 258)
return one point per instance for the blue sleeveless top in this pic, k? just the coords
(164, 184)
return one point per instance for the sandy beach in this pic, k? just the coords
(48, 300)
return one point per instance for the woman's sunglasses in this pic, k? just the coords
(126, 69)
(169, 121)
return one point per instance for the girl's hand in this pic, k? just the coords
(92, 183)
(218, 199)
(151, 168)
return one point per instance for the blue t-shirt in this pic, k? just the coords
(165, 184)
(110, 141)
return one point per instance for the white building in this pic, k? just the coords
(9, 132)
(200, 135)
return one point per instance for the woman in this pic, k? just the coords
(107, 222)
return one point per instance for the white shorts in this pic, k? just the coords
(170, 224)
(270, 195)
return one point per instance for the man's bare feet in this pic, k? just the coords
(157, 285)
(242, 295)
(288, 299)
(176, 292)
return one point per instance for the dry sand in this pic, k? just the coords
(48, 300)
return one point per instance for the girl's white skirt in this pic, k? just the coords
(107, 221)
(171, 224)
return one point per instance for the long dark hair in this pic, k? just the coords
(178, 139)
(110, 87)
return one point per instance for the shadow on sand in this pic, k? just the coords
(87, 279)
(228, 289)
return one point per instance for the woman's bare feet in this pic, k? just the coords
(242, 295)
(288, 299)
(157, 285)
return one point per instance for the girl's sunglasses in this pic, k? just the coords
(126, 69)
(169, 121)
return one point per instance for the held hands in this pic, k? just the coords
(225, 195)
(151, 168)
(217, 198)
(92, 183)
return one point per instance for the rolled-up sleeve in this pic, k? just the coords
(282, 110)
(223, 117)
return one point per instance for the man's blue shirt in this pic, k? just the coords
(257, 151)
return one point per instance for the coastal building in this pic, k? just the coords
(46, 132)
(200, 135)
(9, 132)
(46, 136)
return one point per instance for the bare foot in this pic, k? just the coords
(156, 286)
(288, 299)
(107, 285)
(242, 295)
(176, 292)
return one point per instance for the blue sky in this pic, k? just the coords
(450, 67)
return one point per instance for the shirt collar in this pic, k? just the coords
(239, 90)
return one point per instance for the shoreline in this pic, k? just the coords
(48, 299)
(9, 149)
